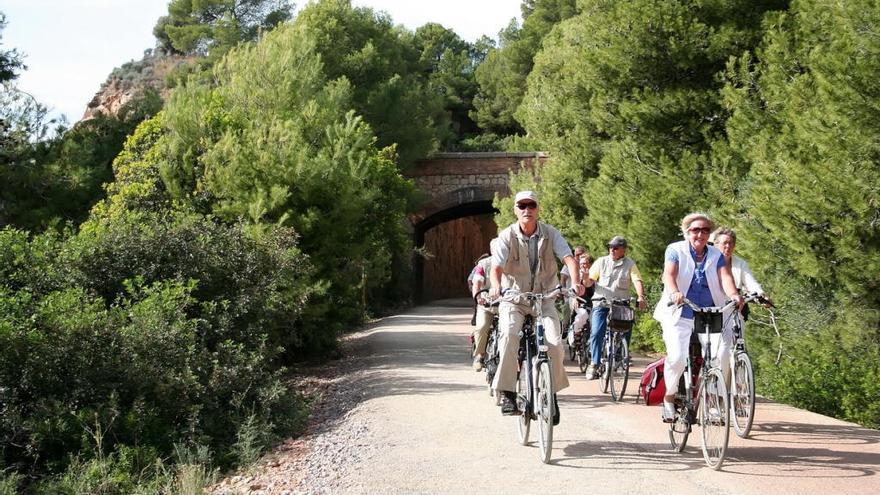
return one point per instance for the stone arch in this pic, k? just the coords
(455, 220)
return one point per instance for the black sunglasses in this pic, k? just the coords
(523, 206)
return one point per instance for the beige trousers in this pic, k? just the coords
(510, 321)
(481, 332)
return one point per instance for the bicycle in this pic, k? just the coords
(742, 374)
(703, 399)
(534, 382)
(615, 361)
(579, 343)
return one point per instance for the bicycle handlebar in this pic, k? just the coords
(509, 294)
(707, 309)
(602, 301)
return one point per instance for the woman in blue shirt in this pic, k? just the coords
(696, 270)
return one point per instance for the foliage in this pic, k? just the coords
(147, 330)
(271, 146)
(502, 76)
(626, 96)
(10, 60)
(803, 157)
(450, 63)
(48, 181)
(389, 87)
(213, 27)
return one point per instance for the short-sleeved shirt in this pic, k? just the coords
(560, 247)
(698, 293)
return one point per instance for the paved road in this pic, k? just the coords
(432, 428)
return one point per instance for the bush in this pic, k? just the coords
(147, 331)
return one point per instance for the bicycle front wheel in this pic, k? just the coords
(743, 394)
(619, 369)
(523, 422)
(546, 411)
(714, 418)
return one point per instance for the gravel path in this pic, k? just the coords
(404, 413)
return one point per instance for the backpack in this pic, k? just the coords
(653, 387)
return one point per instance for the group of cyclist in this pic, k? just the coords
(524, 258)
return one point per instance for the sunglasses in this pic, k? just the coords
(699, 230)
(524, 206)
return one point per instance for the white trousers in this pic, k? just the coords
(510, 320)
(677, 338)
(581, 319)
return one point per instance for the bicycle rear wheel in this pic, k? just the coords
(546, 411)
(619, 366)
(743, 395)
(523, 422)
(714, 418)
(605, 366)
(571, 343)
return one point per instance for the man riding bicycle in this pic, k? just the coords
(525, 260)
(613, 274)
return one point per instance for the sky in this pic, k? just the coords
(71, 46)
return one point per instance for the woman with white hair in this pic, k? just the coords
(699, 272)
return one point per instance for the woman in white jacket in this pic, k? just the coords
(693, 269)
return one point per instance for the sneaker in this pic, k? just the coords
(556, 409)
(508, 403)
(478, 363)
(592, 373)
(667, 412)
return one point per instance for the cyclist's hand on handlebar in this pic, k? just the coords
(677, 298)
(494, 292)
(740, 302)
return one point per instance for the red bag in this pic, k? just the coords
(653, 387)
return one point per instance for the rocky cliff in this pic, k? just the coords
(130, 81)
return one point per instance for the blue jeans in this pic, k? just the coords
(599, 322)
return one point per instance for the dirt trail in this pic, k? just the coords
(414, 418)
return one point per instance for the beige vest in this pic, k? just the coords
(517, 272)
(614, 278)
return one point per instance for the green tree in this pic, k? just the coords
(212, 27)
(10, 60)
(390, 88)
(626, 97)
(502, 76)
(803, 146)
(449, 63)
(269, 145)
(48, 180)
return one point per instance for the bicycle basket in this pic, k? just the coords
(622, 318)
(715, 321)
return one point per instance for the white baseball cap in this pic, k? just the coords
(525, 195)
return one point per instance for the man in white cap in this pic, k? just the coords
(614, 275)
(524, 258)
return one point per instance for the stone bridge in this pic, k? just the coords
(455, 221)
